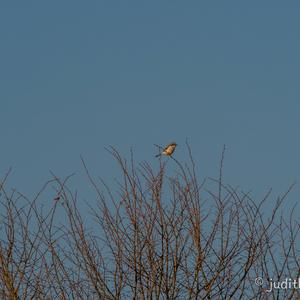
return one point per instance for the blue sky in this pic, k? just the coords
(77, 77)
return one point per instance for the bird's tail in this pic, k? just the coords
(158, 155)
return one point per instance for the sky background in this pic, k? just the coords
(79, 76)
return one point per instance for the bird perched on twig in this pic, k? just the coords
(168, 150)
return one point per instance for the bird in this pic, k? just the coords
(168, 150)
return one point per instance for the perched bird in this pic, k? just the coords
(168, 150)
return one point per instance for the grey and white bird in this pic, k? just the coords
(168, 150)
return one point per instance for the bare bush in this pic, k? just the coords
(160, 234)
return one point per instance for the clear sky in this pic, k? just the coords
(77, 76)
